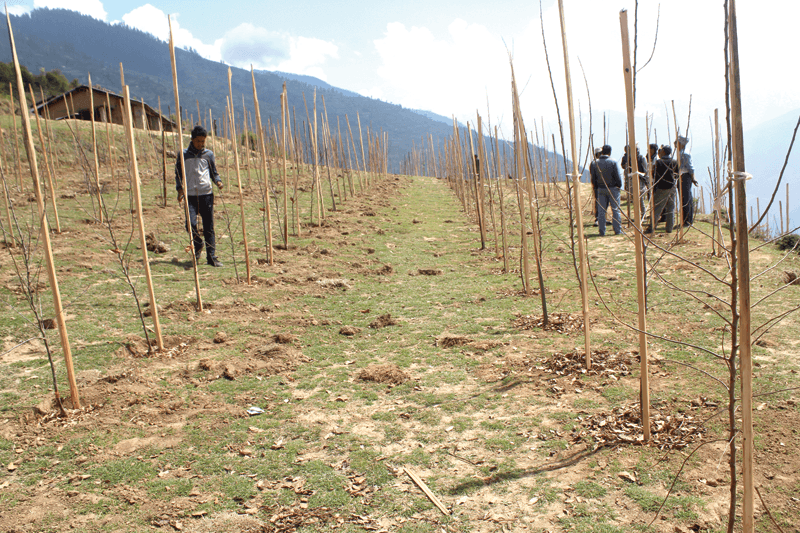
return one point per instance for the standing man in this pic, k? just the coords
(606, 181)
(627, 167)
(201, 170)
(665, 171)
(687, 179)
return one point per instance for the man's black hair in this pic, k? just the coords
(199, 131)
(666, 149)
(606, 149)
(653, 146)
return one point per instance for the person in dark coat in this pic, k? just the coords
(665, 172)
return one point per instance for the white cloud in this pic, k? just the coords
(248, 45)
(450, 75)
(151, 19)
(18, 10)
(93, 8)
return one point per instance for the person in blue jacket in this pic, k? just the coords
(607, 183)
(201, 171)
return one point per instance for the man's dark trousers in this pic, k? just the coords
(203, 205)
(687, 200)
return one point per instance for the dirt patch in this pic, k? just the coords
(448, 340)
(384, 373)
(383, 321)
(349, 331)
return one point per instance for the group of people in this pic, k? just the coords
(665, 173)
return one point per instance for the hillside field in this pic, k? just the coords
(382, 343)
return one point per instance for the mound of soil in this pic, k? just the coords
(448, 340)
(383, 321)
(384, 373)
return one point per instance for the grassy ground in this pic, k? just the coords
(380, 340)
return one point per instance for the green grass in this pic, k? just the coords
(331, 425)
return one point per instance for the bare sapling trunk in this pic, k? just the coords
(28, 276)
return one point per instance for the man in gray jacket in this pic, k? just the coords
(606, 182)
(201, 171)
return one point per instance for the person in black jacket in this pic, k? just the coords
(606, 181)
(627, 167)
(201, 171)
(665, 172)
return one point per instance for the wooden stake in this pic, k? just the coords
(109, 137)
(94, 151)
(644, 384)
(742, 244)
(361, 141)
(238, 179)
(285, 180)
(137, 197)
(46, 165)
(264, 169)
(48, 250)
(576, 185)
(179, 155)
(718, 175)
(49, 132)
(428, 493)
(16, 138)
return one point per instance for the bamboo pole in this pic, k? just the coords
(742, 237)
(637, 225)
(361, 140)
(263, 148)
(285, 179)
(787, 207)
(94, 151)
(109, 136)
(576, 184)
(317, 177)
(137, 197)
(179, 155)
(500, 178)
(48, 250)
(476, 171)
(47, 166)
(718, 176)
(238, 178)
(355, 154)
(16, 137)
(49, 132)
